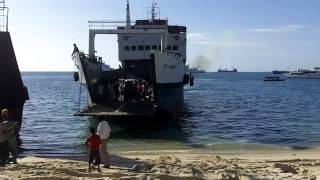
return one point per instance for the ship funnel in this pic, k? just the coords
(128, 25)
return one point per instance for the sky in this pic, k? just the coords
(251, 35)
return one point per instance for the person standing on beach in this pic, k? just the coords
(94, 142)
(10, 128)
(104, 133)
(7, 134)
(12, 134)
(4, 144)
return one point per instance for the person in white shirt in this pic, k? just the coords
(104, 133)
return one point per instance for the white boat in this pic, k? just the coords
(152, 54)
(313, 73)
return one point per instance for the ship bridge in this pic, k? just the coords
(137, 39)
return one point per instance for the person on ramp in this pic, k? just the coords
(75, 49)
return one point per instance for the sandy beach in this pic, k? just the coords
(175, 164)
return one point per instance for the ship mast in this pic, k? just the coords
(153, 11)
(128, 25)
(4, 17)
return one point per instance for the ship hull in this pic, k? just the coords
(13, 93)
(167, 99)
(170, 98)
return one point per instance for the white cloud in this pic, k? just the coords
(232, 44)
(286, 28)
(209, 40)
(199, 36)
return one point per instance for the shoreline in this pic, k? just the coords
(175, 164)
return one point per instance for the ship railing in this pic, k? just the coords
(106, 24)
(4, 17)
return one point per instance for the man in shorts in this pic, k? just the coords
(94, 142)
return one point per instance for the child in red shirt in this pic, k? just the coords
(93, 142)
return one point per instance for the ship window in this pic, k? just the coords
(175, 48)
(159, 48)
(140, 48)
(133, 48)
(147, 48)
(154, 47)
(169, 48)
(126, 48)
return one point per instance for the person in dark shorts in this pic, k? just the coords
(6, 129)
(11, 133)
(93, 142)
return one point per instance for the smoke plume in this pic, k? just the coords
(201, 62)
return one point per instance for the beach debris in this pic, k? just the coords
(285, 168)
(167, 160)
(3, 177)
(141, 168)
(137, 177)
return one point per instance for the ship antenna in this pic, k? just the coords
(153, 11)
(128, 25)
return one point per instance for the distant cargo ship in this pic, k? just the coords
(197, 70)
(226, 70)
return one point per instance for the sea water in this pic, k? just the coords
(222, 111)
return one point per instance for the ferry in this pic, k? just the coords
(226, 70)
(313, 73)
(152, 74)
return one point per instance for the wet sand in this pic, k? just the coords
(175, 164)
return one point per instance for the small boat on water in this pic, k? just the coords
(313, 73)
(273, 78)
(279, 72)
(226, 70)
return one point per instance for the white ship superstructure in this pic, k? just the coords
(313, 73)
(153, 56)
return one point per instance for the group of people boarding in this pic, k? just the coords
(8, 139)
(135, 90)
